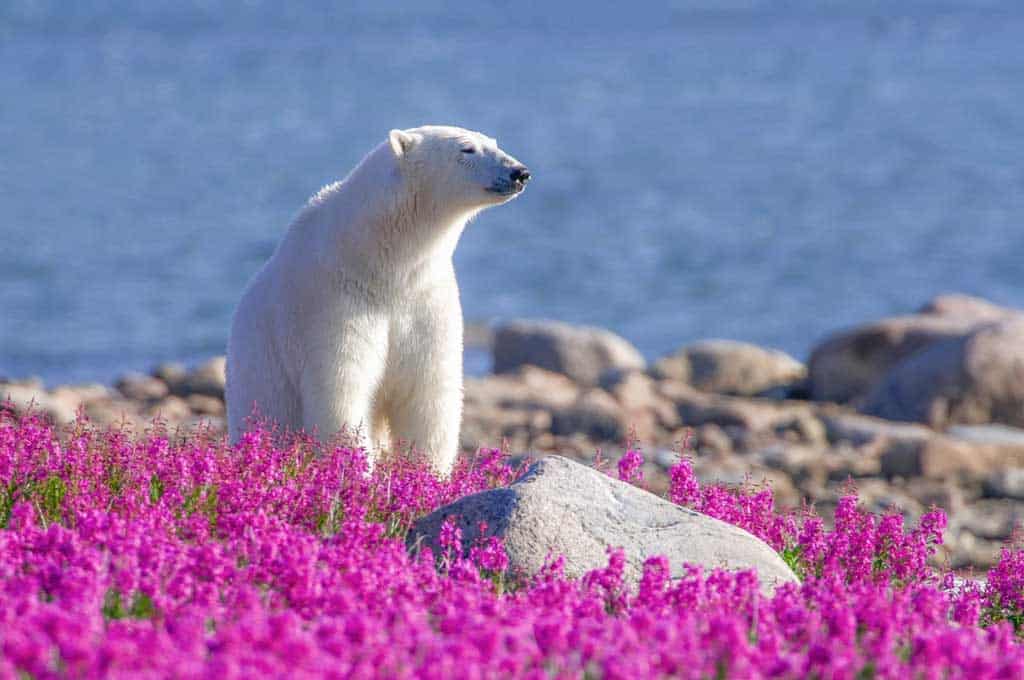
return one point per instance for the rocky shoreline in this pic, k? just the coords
(915, 410)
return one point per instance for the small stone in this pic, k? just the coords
(711, 439)
(114, 412)
(858, 430)
(796, 461)
(989, 518)
(988, 434)
(142, 387)
(528, 388)
(172, 373)
(208, 378)
(596, 414)
(846, 464)
(972, 551)
(171, 409)
(1006, 483)
(879, 496)
(84, 393)
(202, 404)
(940, 493)
(803, 428)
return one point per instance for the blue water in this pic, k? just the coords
(768, 171)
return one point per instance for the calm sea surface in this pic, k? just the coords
(767, 171)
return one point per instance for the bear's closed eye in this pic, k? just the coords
(469, 150)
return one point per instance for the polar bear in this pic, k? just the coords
(355, 323)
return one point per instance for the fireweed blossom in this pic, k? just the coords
(150, 556)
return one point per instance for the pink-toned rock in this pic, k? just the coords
(972, 379)
(730, 367)
(205, 405)
(171, 409)
(595, 414)
(141, 387)
(29, 397)
(965, 307)
(696, 408)
(528, 388)
(850, 364)
(582, 353)
(207, 378)
(941, 457)
(647, 410)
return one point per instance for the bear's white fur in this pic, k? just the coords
(354, 323)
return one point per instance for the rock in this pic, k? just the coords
(582, 353)
(564, 508)
(665, 459)
(804, 428)
(858, 430)
(965, 307)
(697, 408)
(82, 394)
(633, 389)
(942, 493)
(645, 408)
(114, 412)
(993, 519)
(798, 462)
(528, 388)
(849, 364)
(32, 381)
(171, 372)
(142, 387)
(213, 425)
(880, 497)
(730, 367)
(490, 426)
(971, 551)
(935, 457)
(988, 434)
(972, 379)
(842, 463)
(205, 405)
(711, 440)
(208, 378)
(596, 414)
(1006, 483)
(25, 397)
(171, 409)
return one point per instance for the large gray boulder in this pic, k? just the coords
(731, 367)
(973, 379)
(581, 352)
(848, 365)
(564, 508)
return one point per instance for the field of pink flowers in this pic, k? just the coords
(144, 556)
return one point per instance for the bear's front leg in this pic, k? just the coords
(429, 418)
(425, 406)
(341, 376)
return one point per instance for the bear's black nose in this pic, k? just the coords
(521, 175)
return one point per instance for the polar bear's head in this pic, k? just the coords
(457, 167)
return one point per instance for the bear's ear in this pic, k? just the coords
(401, 142)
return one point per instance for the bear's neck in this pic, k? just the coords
(373, 226)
